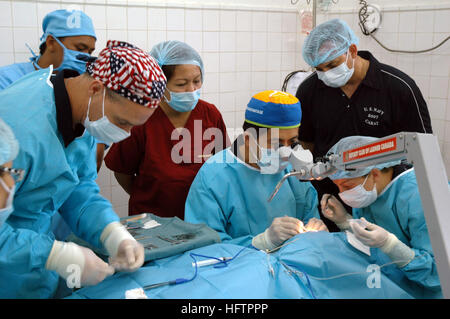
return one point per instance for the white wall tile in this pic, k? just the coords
(194, 20)
(120, 35)
(407, 21)
(243, 41)
(156, 18)
(210, 41)
(139, 38)
(116, 18)
(24, 14)
(5, 14)
(227, 82)
(243, 21)
(137, 18)
(259, 61)
(227, 102)
(424, 21)
(259, 81)
(97, 14)
(6, 34)
(227, 41)
(259, 41)
(243, 62)
(211, 20)
(194, 39)
(24, 36)
(440, 65)
(442, 21)
(390, 22)
(259, 21)
(227, 20)
(289, 23)
(6, 58)
(175, 35)
(227, 62)
(244, 81)
(211, 62)
(211, 83)
(175, 19)
(438, 87)
(275, 22)
(155, 37)
(437, 108)
(422, 64)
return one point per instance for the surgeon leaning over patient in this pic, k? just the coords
(56, 124)
(230, 191)
(387, 197)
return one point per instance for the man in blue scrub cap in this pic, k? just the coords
(387, 200)
(67, 42)
(352, 93)
(56, 120)
(230, 191)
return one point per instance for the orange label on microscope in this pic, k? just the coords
(370, 150)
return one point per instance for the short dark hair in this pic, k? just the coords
(168, 70)
(43, 46)
(253, 127)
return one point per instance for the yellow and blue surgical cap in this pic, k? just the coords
(351, 142)
(67, 23)
(176, 53)
(9, 147)
(328, 41)
(274, 109)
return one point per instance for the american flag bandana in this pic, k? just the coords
(130, 72)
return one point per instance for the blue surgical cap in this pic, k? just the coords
(175, 53)
(328, 41)
(351, 142)
(9, 147)
(274, 109)
(67, 23)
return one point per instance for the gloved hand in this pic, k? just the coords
(281, 229)
(333, 209)
(126, 254)
(315, 224)
(64, 256)
(374, 236)
(377, 236)
(130, 256)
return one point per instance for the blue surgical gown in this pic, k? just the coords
(231, 197)
(13, 72)
(398, 209)
(57, 178)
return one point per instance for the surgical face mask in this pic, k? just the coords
(102, 129)
(5, 212)
(183, 101)
(359, 197)
(338, 76)
(272, 161)
(70, 60)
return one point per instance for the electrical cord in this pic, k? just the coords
(363, 16)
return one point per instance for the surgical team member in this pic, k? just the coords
(66, 35)
(352, 93)
(145, 164)
(387, 197)
(9, 147)
(55, 124)
(230, 191)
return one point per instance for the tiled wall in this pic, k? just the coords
(247, 46)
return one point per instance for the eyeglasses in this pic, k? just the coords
(16, 173)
